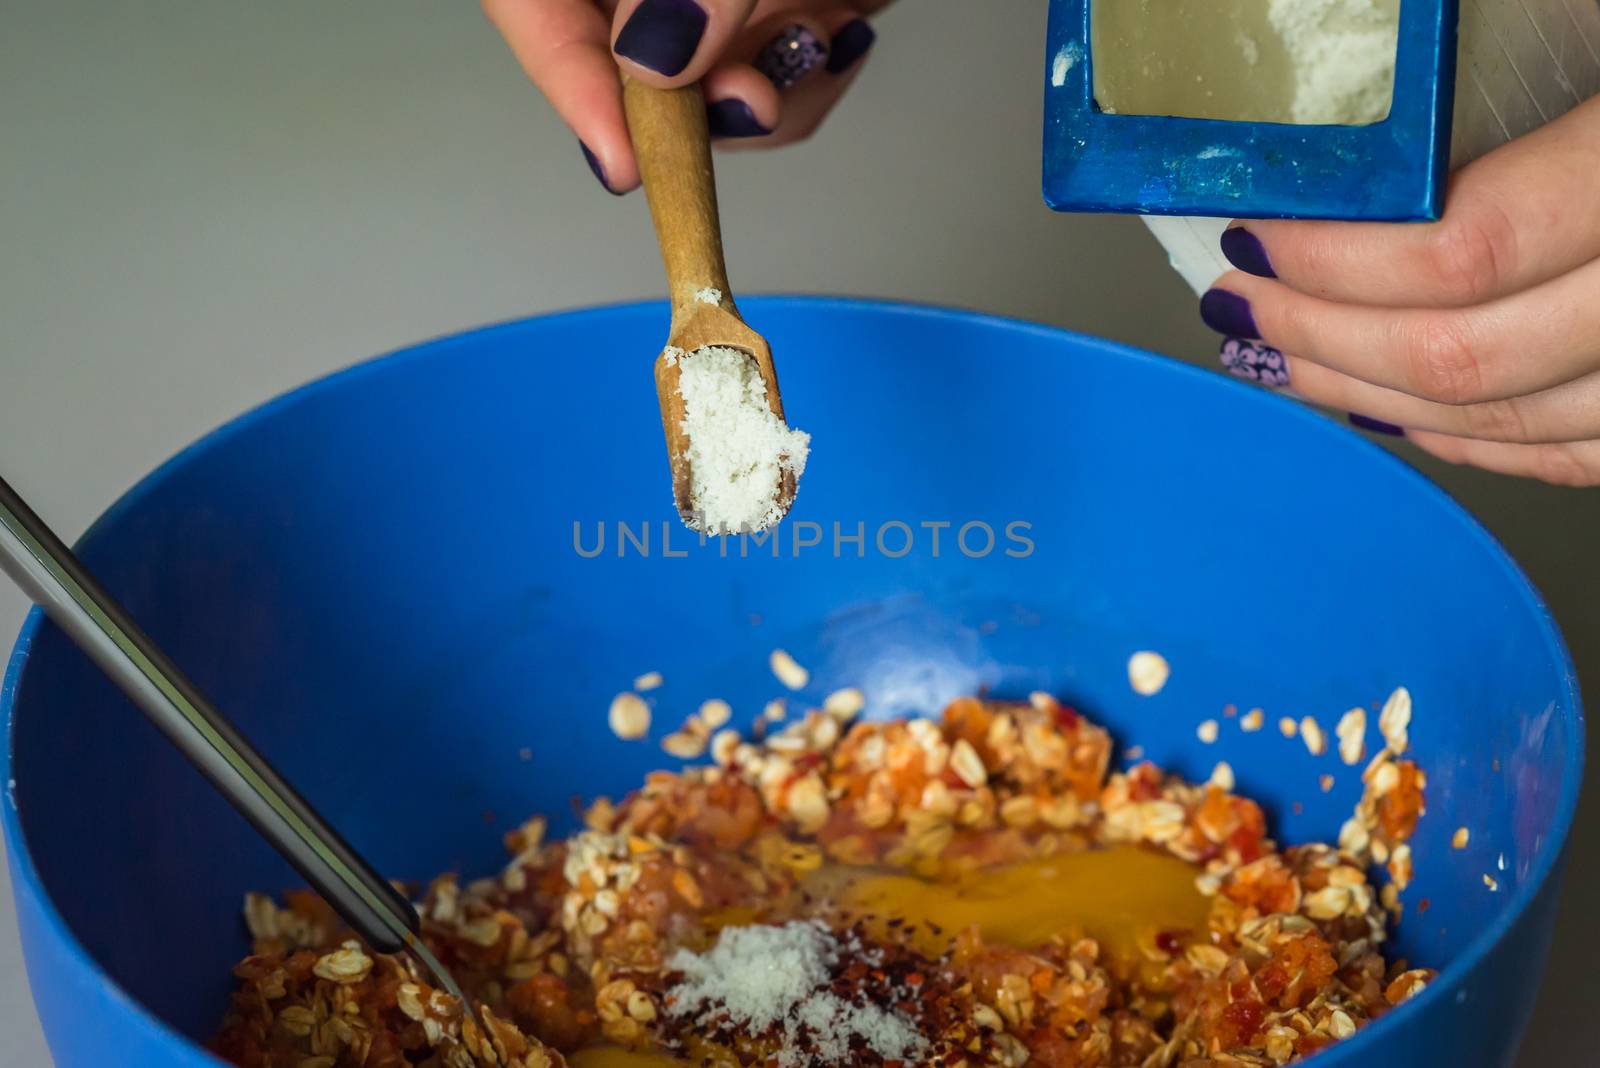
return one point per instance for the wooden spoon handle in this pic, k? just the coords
(673, 147)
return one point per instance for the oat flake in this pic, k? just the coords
(844, 704)
(629, 716)
(790, 673)
(1148, 672)
(1222, 775)
(715, 713)
(1351, 732)
(1394, 722)
(1311, 733)
(684, 745)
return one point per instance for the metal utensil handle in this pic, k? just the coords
(57, 581)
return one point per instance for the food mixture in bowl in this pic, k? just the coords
(976, 890)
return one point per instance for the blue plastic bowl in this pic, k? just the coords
(376, 576)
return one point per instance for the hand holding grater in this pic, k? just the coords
(1460, 88)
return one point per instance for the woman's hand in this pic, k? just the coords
(1478, 334)
(771, 69)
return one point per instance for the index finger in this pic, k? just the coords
(561, 44)
(1526, 213)
(668, 43)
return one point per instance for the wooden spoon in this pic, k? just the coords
(673, 147)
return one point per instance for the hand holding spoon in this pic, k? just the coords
(673, 147)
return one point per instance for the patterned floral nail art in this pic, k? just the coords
(1255, 362)
(790, 56)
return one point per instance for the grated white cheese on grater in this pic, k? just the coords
(1343, 55)
(764, 978)
(738, 449)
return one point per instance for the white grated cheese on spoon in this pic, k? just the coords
(738, 449)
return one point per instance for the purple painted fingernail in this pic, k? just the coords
(849, 45)
(790, 56)
(1255, 362)
(1245, 251)
(733, 118)
(662, 35)
(1228, 313)
(1377, 426)
(599, 171)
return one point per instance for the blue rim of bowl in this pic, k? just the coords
(1348, 1050)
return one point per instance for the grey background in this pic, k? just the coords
(204, 204)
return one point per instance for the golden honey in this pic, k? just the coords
(1121, 897)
